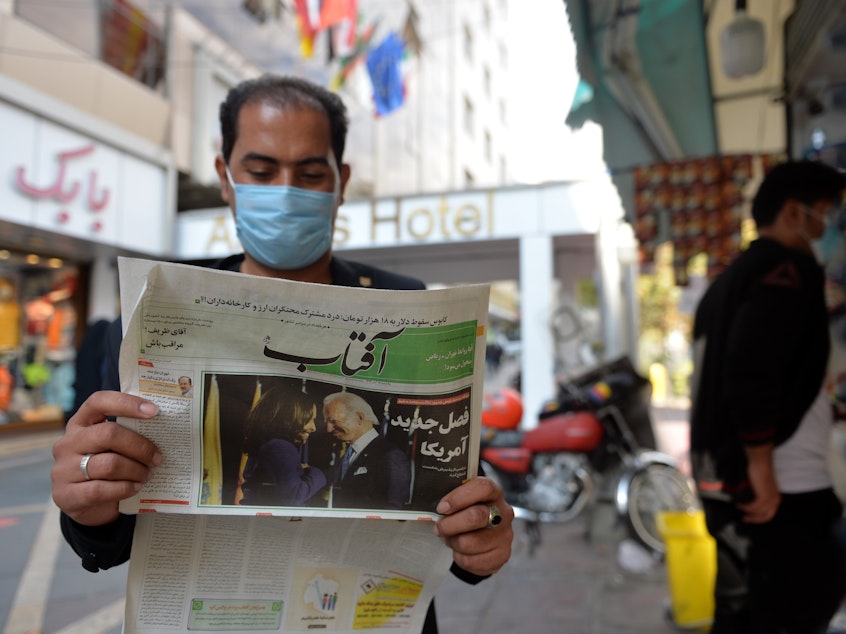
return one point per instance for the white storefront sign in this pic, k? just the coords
(62, 181)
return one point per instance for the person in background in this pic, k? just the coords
(278, 428)
(281, 171)
(90, 363)
(761, 420)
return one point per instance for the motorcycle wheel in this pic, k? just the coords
(656, 488)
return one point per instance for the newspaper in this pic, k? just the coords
(209, 347)
(415, 357)
(191, 573)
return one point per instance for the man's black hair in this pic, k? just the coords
(287, 93)
(804, 181)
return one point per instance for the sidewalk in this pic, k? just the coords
(13, 441)
(569, 585)
(573, 582)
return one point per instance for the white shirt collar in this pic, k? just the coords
(365, 439)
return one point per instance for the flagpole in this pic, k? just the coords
(451, 63)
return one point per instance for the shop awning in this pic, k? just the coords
(646, 62)
(659, 89)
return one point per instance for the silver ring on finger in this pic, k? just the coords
(494, 516)
(83, 465)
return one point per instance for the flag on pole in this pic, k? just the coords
(336, 11)
(308, 20)
(340, 17)
(239, 493)
(351, 61)
(212, 459)
(383, 64)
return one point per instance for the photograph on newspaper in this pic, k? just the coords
(338, 402)
(289, 442)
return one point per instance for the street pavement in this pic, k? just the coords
(582, 579)
(571, 584)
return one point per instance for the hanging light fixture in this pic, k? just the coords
(742, 44)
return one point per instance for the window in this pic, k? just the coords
(486, 17)
(486, 81)
(122, 26)
(502, 112)
(468, 43)
(115, 31)
(468, 116)
(503, 56)
(468, 179)
(488, 146)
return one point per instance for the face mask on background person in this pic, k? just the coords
(826, 246)
(283, 227)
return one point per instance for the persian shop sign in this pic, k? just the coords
(65, 182)
(66, 194)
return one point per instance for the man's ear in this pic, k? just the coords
(790, 214)
(799, 212)
(345, 177)
(225, 189)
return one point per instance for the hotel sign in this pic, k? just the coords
(556, 209)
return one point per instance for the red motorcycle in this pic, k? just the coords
(593, 442)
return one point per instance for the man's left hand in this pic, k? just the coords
(476, 547)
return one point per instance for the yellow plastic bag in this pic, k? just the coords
(691, 560)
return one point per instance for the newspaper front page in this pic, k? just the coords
(241, 527)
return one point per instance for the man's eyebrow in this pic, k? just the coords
(322, 160)
(255, 156)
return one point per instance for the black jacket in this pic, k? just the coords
(102, 547)
(762, 343)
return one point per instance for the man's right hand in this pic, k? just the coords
(121, 460)
(762, 478)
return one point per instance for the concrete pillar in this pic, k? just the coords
(610, 295)
(536, 307)
(627, 253)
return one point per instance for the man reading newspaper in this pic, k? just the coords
(282, 174)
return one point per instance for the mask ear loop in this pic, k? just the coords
(808, 211)
(234, 201)
(333, 164)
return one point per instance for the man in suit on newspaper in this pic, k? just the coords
(370, 472)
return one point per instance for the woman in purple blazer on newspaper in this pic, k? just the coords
(276, 473)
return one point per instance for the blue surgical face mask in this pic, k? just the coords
(826, 246)
(283, 227)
